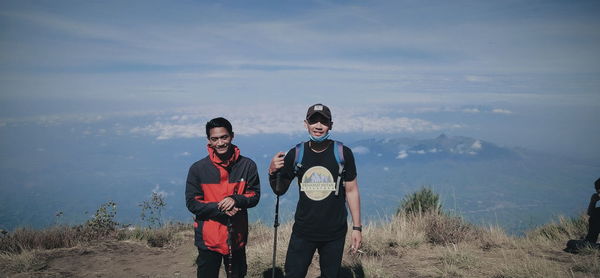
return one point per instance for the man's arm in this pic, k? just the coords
(194, 198)
(251, 195)
(353, 199)
(592, 204)
(280, 172)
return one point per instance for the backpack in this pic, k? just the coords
(338, 152)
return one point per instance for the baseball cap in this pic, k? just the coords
(319, 108)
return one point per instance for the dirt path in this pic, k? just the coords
(120, 259)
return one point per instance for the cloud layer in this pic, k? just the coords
(281, 120)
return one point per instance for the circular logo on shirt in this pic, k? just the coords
(317, 183)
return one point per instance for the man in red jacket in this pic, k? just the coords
(219, 189)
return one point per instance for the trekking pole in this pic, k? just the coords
(275, 225)
(229, 244)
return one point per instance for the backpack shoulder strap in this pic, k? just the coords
(338, 151)
(298, 159)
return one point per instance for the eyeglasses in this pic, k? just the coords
(314, 120)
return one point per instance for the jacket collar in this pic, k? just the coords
(227, 163)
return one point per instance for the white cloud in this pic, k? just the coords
(402, 155)
(476, 78)
(280, 120)
(476, 145)
(164, 131)
(501, 111)
(360, 150)
(386, 125)
(162, 193)
(386, 168)
(471, 110)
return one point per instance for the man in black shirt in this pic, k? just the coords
(594, 213)
(320, 220)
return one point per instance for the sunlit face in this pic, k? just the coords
(219, 139)
(318, 125)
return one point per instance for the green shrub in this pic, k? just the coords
(152, 210)
(424, 200)
(102, 223)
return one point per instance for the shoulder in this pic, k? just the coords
(246, 160)
(292, 152)
(347, 150)
(201, 163)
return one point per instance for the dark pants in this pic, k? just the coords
(209, 262)
(300, 253)
(594, 226)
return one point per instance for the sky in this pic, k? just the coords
(520, 73)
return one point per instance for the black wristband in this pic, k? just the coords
(357, 228)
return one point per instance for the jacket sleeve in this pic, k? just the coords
(194, 198)
(249, 198)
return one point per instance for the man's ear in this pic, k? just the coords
(306, 124)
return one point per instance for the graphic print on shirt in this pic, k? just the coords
(317, 183)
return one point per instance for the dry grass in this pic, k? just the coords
(422, 245)
(562, 230)
(167, 235)
(22, 262)
(30, 239)
(438, 245)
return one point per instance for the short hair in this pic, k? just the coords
(218, 122)
(597, 183)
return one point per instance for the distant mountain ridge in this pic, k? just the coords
(485, 182)
(513, 187)
(441, 147)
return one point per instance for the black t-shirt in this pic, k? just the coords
(320, 214)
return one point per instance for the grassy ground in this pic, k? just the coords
(423, 245)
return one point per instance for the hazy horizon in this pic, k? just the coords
(88, 85)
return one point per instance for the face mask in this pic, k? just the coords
(319, 139)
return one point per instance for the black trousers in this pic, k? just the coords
(209, 262)
(594, 226)
(300, 253)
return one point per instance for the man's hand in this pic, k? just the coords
(276, 162)
(226, 204)
(356, 240)
(232, 211)
(595, 198)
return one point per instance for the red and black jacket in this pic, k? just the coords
(209, 181)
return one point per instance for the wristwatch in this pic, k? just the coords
(357, 228)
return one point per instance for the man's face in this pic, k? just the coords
(219, 139)
(318, 125)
